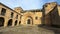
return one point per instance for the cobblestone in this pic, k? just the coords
(26, 30)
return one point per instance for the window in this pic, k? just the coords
(45, 5)
(3, 11)
(11, 14)
(17, 17)
(36, 18)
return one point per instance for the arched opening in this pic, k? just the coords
(3, 11)
(19, 22)
(1, 21)
(17, 17)
(16, 22)
(12, 14)
(10, 22)
(28, 21)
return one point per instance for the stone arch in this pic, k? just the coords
(16, 22)
(29, 20)
(19, 22)
(2, 21)
(27, 16)
(10, 22)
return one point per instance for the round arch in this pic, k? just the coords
(2, 21)
(16, 22)
(29, 20)
(28, 16)
(19, 22)
(9, 22)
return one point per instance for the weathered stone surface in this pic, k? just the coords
(28, 30)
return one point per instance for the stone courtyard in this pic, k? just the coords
(19, 21)
(29, 30)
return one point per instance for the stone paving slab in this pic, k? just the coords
(26, 30)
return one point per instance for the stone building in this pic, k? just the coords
(31, 17)
(16, 17)
(51, 14)
(8, 16)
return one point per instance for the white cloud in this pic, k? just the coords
(26, 4)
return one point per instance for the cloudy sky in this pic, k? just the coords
(27, 4)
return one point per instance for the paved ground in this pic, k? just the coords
(28, 30)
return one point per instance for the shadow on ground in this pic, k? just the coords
(54, 29)
(1, 32)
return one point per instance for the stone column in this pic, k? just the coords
(17, 23)
(6, 22)
(13, 23)
(0, 10)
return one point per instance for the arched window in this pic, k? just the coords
(36, 18)
(12, 14)
(45, 5)
(17, 17)
(3, 11)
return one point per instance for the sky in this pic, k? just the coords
(27, 4)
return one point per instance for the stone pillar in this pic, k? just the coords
(6, 22)
(17, 23)
(13, 23)
(0, 10)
